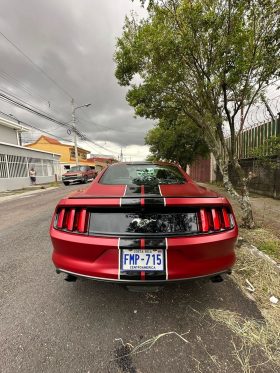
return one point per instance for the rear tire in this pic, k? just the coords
(85, 180)
(66, 183)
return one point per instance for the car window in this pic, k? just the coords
(143, 174)
(78, 168)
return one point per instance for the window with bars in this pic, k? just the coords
(12, 166)
(3, 166)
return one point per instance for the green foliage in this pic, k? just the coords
(271, 247)
(181, 143)
(202, 59)
(268, 153)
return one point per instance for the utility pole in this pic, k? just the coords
(74, 127)
(74, 132)
(121, 157)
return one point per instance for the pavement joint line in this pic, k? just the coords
(25, 194)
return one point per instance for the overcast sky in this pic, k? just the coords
(73, 42)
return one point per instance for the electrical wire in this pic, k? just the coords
(32, 126)
(83, 136)
(36, 66)
(41, 114)
(22, 101)
(8, 77)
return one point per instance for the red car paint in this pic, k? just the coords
(205, 253)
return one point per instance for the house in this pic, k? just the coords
(102, 161)
(16, 160)
(67, 152)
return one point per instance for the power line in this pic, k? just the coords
(83, 136)
(20, 85)
(41, 114)
(36, 66)
(22, 101)
(32, 126)
(79, 133)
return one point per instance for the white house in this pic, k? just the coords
(16, 160)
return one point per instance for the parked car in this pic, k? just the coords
(81, 174)
(143, 223)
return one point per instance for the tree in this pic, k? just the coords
(181, 142)
(207, 60)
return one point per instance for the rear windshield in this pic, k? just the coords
(78, 168)
(142, 174)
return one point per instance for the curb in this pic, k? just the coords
(25, 194)
(255, 251)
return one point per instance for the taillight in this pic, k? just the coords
(72, 220)
(226, 219)
(204, 220)
(82, 221)
(215, 219)
(60, 219)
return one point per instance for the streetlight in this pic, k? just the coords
(74, 128)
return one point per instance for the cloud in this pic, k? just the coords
(73, 42)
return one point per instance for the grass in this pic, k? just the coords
(253, 334)
(264, 240)
(271, 248)
(261, 273)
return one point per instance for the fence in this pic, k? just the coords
(253, 137)
(14, 166)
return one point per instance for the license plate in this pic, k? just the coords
(142, 260)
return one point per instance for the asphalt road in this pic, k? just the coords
(49, 325)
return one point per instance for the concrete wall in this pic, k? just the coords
(22, 182)
(266, 179)
(12, 183)
(8, 135)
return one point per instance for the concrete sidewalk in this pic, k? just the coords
(21, 193)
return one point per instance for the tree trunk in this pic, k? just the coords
(243, 198)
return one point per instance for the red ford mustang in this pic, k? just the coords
(143, 223)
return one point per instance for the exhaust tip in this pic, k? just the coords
(217, 278)
(70, 278)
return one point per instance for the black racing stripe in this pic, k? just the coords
(133, 191)
(153, 195)
(132, 276)
(154, 201)
(153, 276)
(156, 244)
(152, 190)
(129, 243)
(131, 202)
(132, 196)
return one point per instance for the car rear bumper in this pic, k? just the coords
(146, 282)
(98, 258)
